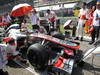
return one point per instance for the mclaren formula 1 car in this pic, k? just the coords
(50, 53)
(54, 54)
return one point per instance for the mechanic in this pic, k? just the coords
(34, 19)
(83, 16)
(3, 59)
(51, 18)
(12, 53)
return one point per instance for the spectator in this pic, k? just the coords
(83, 15)
(51, 18)
(96, 23)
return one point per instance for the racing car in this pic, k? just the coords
(53, 54)
(50, 53)
(46, 52)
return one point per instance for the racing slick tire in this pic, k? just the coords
(38, 56)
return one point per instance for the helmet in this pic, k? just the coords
(38, 56)
(57, 35)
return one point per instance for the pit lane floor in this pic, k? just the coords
(89, 68)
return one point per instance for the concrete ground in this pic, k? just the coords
(90, 68)
(92, 65)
